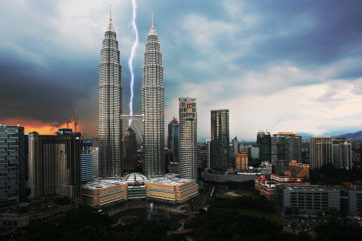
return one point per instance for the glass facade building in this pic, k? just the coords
(220, 140)
(263, 141)
(285, 147)
(86, 161)
(12, 164)
(173, 139)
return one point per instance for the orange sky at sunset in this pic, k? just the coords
(38, 126)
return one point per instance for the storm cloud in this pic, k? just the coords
(299, 61)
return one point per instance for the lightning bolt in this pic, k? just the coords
(130, 61)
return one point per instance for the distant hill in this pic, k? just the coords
(305, 135)
(356, 136)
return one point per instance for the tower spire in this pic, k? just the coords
(110, 12)
(152, 30)
(153, 23)
(110, 26)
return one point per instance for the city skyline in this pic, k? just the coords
(240, 118)
(296, 71)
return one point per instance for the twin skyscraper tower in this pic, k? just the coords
(110, 106)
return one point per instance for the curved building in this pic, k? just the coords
(110, 106)
(153, 106)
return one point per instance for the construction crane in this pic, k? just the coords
(67, 121)
(75, 118)
(275, 125)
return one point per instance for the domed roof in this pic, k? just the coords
(135, 177)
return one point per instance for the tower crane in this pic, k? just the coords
(67, 121)
(275, 125)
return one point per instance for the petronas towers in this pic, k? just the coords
(153, 106)
(110, 107)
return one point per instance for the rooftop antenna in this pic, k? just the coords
(153, 23)
(110, 12)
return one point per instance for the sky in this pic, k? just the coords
(276, 65)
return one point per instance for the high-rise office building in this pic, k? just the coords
(204, 155)
(95, 155)
(263, 141)
(241, 161)
(321, 152)
(86, 161)
(54, 163)
(305, 151)
(219, 140)
(173, 139)
(188, 138)
(253, 153)
(110, 106)
(208, 149)
(153, 107)
(129, 144)
(135, 122)
(235, 145)
(285, 147)
(342, 153)
(12, 164)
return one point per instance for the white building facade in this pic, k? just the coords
(188, 138)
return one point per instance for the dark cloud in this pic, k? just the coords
(41, 82)
(316, 32)
(42, 92)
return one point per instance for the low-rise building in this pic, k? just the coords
(168, 188)
(172, 189)
(10, 219)
(299, 170)
(136, 186)
(266, 185)
(242, 176)
(315, 199)
(355, 201)
(101, 192)
(307, 199)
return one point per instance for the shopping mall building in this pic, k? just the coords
(168, 188)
